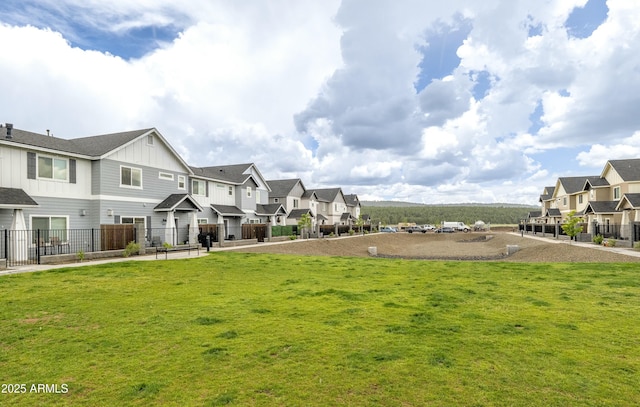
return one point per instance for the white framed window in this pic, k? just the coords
(198, 187)
(51, 228)
(136, 220)
(296, 203)
(203, 221)
(257, 196)
(579, 199)
(248, 192)
(182, 182)
(53, 168)
(564, 201)
(230, 191)
(616, 193)
(165, 176)
(150, 140)
(130, 177)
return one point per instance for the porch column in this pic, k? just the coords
(270, 221)
(19, 244)
(221, 231)
(624, 225)
(170, 229)
(193, 228)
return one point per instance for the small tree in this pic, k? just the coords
(360, 223)
(304, 223)
(571, 227)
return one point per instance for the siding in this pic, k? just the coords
(139, 153)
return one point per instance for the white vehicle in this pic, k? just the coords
(459, 226)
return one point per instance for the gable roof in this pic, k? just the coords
(270, 210)
(15, 198)
(281, 188)
(601, 207)
(352, 200)
(92, 147)
(573, 185)
(632, 199)
(328, 194)
(228, 210)
(547, 193)
(178, 201)
(297, 213)
(629, 170)
(231, 174)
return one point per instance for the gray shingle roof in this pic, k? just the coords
(228, 173)
(328, 194)
(352, 199)
(281, 188)
(15, 198)
(228, 210)
(548, 195)
(573, 185)
(93, 146)
(629, 170)
(270, 210)
(178, 201)
(633, 199)
(601, 207)
(297, 213)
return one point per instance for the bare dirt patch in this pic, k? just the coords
(456, 246)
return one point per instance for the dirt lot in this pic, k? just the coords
(457, 246)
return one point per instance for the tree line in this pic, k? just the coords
(434, 214)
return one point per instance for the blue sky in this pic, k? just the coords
(418, 101)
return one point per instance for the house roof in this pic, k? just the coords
(297, 213)
(352, 200)
(601, 207)
(553, 212)
(93, 147)
(595, 183)
(629, 170)
(15, 198)
(270, 210)
(228, 210)
(178, 202)
(346, 216)
(328, 194)
(574, 185)
(547, 193)
(283, 187)
(632, 199)
(231, 174)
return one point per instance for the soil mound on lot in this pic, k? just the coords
(476, 246)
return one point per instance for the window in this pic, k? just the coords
(182, 181)
(230, 191)
(616, 193)
(150, 140)
(203, 221)
(276, 200)
(136, 220)
(53, 168)
(51, 228)
(248, 192)
(130, 177)
(166, 176)
(295, 203)
(198, 187)
(564, 201)
(580, 199)
(257, 195)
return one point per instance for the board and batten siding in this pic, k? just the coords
(14, 171)
(140, 153)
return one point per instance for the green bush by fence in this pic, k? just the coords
(281, 231)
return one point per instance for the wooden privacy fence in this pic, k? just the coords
(115, 237)
(254, 231)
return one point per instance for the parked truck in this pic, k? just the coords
(459, 226)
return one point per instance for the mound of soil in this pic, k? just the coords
(455, 246)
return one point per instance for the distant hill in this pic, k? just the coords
(392, 212)
(400, 204)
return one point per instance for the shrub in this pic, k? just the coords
(132, 248)
(80, 255)
(352, 232)
(609, 243)
(332, 234)
(597, 239)
(292, 237)
(166, 245)
(636, 245)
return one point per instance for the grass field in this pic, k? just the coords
(264, 330)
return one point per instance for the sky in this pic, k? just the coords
(415, 100)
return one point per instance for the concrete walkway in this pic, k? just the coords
(627, 251)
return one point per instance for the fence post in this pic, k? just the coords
(6, 244)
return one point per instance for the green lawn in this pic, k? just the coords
(264, 330)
